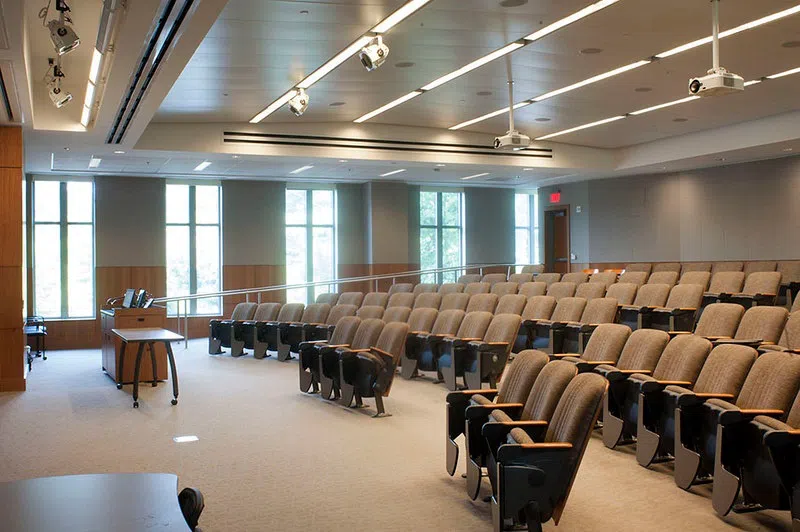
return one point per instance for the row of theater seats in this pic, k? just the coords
(725, 412)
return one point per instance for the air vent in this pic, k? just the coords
(158, 43)
(500, 179)
(9, 103)
(3, 34)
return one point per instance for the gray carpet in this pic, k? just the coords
(271, 458)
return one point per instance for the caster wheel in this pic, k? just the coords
(119, 386)
(174, 401)
(136, 404)
(153, 385)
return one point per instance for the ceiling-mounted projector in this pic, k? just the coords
(717, 80)
(299, 103)
(512, 140)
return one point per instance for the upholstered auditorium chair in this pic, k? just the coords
(395, 314)
(561, 289)
(369, 312)
(292, 333)
(536, 308)
(351, 298)
(702, 427)
(494, 278)
(454, 301)
(664, 277)
(375, 299)
(220, 331)
(477, 288)
(790, 281)
(604, 347)
(400, 287)
(538, 409)
(698, 278)
(532, 470)
(667, 267)
(678, 313)
(243, 334)
(723, 283)
(328, 356)
(639, 267)
(520, 278)
(370, 372)
(575, 277)
(309, 352)
(401, 299)
(451, 288)
(504, 288)
(679, 365)
(449, 362)
(624, 293)
(760, 288)
(267, 333)
(759, 266)
(511, 304)
(547, 278)
(765, 455)
(567, 309)
(328, 297)
(482, 302)
(722, 376)
(513, 390)
(421, 320)
(648, 297)
(573, 337)
(534, 288)
(758, 326)
(589, 291)
(790, 338)
(484, 360)
(726, 266)
(468, 278)
(324, 331)
(425, 288)
(637, 278)
(695, 267)
(423, 347)
(428, 300)
(533, 268)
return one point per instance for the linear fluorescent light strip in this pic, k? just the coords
(202, 166)
(507, 49)
(94, 162)
(302, 169)
(474, 176)
(584, 126)
(387, 174)
(408, 9)
(674, 51)
(664, 105)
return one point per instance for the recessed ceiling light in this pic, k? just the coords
(680, 119)
(336, 104)
(94, 162)
(404, 64)
(66, 149)
(202, 166)
(788, 149)
(342, 160)
(393, 172)
(235, 156)
(513, 3)
(791, 44)
(542, 119)
(590, 51)
(474, 176)
(643, 89)
(527, 169)
(440, 165)
(484, 93)
(185, 439)
(119, 152)
(302, 169)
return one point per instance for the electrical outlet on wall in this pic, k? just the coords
(573, 256)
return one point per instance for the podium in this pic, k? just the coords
(131, 318)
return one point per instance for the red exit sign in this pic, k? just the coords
(555, 197)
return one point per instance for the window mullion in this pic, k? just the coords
(192, 247)
(309, 245)
(439, 239)
(64, 227)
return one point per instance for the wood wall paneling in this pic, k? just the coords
(198, 327)
(11, 147)
(252, 276)
(12, 360)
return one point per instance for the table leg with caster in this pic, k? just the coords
(121, 365)
(136, 370)
(174, 373)
(152, 348)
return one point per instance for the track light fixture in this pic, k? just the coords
(299, 103)
(374, 54)
(53, 78)
(62, 35)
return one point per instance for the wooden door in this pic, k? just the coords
(556, 239)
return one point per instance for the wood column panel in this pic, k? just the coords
(10, 217)
(11, 147)
(12, 360)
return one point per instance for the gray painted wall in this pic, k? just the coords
(489, 225)
(388, 223)
(575, 195)
(352, 240)
(253, 217)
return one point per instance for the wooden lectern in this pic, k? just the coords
(131, 318)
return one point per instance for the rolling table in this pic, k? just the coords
(148, 337)
(122, 502)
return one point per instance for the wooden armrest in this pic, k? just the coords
(417, 332)
(380, 351)
(564, 446)
(337, 346)
(707, 395)
(686, 309)
(598, 362)
(563, 355)
(712, 338)
(470, 339)
(762, 412)
(632, 371)
(676, 383)
(497, 343)
(360, 350)
(482, 390)
(522, 423)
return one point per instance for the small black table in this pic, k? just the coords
(122, 502)
(148, 337)
(36, 329)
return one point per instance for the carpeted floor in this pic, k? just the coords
(270, 458)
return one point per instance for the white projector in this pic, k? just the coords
(513, 140)
(716, 84)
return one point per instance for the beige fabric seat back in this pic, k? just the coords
(695, 267)
(637, 278)
(727, 266)
(573, 419)
(645, 267)
(606, 343)
(534, 288)
(448, 321)
(267, 312)
(762, 323)
(720, 319)
(401, 299)
(796, 304)
(547, 389)
(511, 304)
(762, 283)
(726, 282)
(370, 312)
(451, 288)
(340, 311)
(569, 309)
(400, 287)
(560, 290)
(520, 278)
(682, 364)
(392, 339)
(668, 278)
(428, 300)
(790, 271)
(772, 383)
(379, 299)
(474, 324)
(425, 288)
(469, 278)
(790, 339)
(607, 278)
(590, 291)
(685, 296)
(367, 333)
(533, 268)
(422, 319)
(624, 293)
(698, 278)
(503, 328)
(329, 297)
(520, 375)
(351, 298)
(291, 312)
(345, 331)
(759, 266)
(504, 288)
(644, 348)
(575, 277)
(667, 267)
(600, 310)
(244, 311)
(548, 278)
(494, 278)
(477, 288)
(454, 301)
(652, 295)
(482, 302)
(315, 313)
(725, 369)
(393, 314)
(539, 308)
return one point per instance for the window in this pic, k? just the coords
(440, 234)
(526, 214)
(310, 242)
(193, 246)
(63, 249)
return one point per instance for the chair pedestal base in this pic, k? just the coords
(451, 456)
(214, 346)
(409, 368)
(474, 476)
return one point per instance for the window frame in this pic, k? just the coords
(532, 228)
(440, 227)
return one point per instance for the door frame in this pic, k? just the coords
(547, 251)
